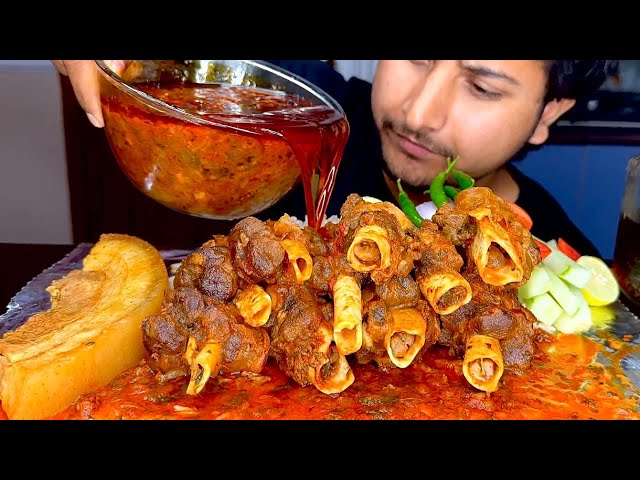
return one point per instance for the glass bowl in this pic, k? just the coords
(221, 139)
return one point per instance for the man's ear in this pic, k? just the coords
(552, 111)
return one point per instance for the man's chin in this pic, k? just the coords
(408, 173)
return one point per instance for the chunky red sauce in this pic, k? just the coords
(568, 380)
(265, 140)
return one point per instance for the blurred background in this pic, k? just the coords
(34, 196)
(53, 186)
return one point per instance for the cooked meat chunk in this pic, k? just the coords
(375, 240)
(285, 227)
(483, 224)
(438, 251)
(458, 227)
(401, 292)
(187, 315)
(402, 289)
(395, 337)
(256, 252)
(301, 335)
(165, 334)
(244, 348)
(326, 270)
(496, 312)
(210, 270)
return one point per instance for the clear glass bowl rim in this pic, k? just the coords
(185, 115)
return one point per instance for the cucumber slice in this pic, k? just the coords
(545, 308)
(562, 294)
(580, 321)
(567, 269)
(538, 283)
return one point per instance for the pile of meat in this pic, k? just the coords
(371, 288)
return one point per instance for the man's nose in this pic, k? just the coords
(429, 103)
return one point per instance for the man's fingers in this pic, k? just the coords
(59, 64)
(117, 66)
(84, 79)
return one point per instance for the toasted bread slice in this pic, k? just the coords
(91, 333)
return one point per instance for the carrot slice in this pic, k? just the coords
(543, 247)
(522, 215)
(567, 249)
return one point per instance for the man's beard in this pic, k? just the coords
(394, 171)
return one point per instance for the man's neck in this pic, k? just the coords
(500, 181)
(502, 184)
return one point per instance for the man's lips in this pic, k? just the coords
(411, 148)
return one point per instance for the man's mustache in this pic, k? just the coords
(417, 136)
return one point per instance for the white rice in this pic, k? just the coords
(332, 219)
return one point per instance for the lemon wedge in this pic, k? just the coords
(602, 288)
(602, 316)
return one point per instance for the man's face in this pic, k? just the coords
(482, 110)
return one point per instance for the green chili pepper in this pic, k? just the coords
(436, 189)
(464, 180)
(408, 206)
(451, 191)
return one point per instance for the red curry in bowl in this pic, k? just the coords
(219, 150)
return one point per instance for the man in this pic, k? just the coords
(419, 112)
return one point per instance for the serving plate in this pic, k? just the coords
(432, 389)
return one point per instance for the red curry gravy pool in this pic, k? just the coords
(567, 380)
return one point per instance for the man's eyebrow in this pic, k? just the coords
(483, 71)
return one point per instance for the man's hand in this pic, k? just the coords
(84, 79)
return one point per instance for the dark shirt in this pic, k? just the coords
(361, 171)
(550, 221)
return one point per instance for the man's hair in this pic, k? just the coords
(576, 78)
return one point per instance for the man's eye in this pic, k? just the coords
(483, 92)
